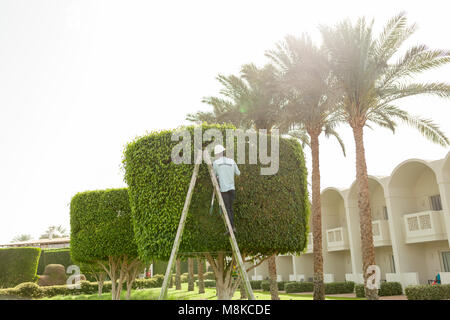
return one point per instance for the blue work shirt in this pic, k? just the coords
(225, 169)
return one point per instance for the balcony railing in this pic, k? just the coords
(380, 230)
(424, 226)
(337, 239)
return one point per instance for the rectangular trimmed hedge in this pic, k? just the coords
(390, 289)
(32, 290)
(265, 285)
(339, 287)
(428, 292)
(54, 256)
(330, 288)
(18, 265)
(386, 289)
(297, 287)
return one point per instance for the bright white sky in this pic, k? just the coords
(79, 79)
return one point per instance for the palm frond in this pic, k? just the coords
(428, 129)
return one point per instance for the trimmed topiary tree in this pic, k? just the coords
(102, 233)
(18, 265)
(271, 211)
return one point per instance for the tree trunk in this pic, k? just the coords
(190, 274)
(201, 283)
(178, 275)
(365, 215)
(100, 280)
(319, 290)
(225, 287)
(242, 291)
(272, 266)
(131, 274)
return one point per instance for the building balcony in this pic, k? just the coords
(424, 226)
(380, 230)
(337, 239)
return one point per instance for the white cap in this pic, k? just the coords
(218, 149)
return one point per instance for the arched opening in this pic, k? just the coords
(384, 257)
(418, 220)
(336, 245)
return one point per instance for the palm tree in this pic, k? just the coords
(251, 100)
(21, 238)
(372, 81)
(54, 232)
(312, 109)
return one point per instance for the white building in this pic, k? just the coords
(411, 228)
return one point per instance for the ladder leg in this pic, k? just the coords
(234, 245)
(176, 244)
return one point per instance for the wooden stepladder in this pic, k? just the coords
(176, 244)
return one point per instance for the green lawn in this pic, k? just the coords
(210, 294)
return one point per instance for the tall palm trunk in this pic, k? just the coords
(365, 215)
(319, 290)
(271, 263)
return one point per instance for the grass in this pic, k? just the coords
(210, 294)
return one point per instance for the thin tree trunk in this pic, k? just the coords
(201, 283)
(272, 266)
(365, 215)
(178, 275)
(190, 274)
(242, 291)
(319, 290)
(100, 281)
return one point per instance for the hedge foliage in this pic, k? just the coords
(208, 283)
(54, 256)
(256, 284)
(265, 285)
(101, 226)
(18, 265)
(428, 292)
(295, 287)
(390, 289)
(339, 287)
(359, 290)
(271, 211)
(33, 291)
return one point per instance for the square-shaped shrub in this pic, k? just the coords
(18, 265)
(390, 289)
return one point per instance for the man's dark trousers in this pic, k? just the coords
(228, 199)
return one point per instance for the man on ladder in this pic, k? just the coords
(225, 169)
